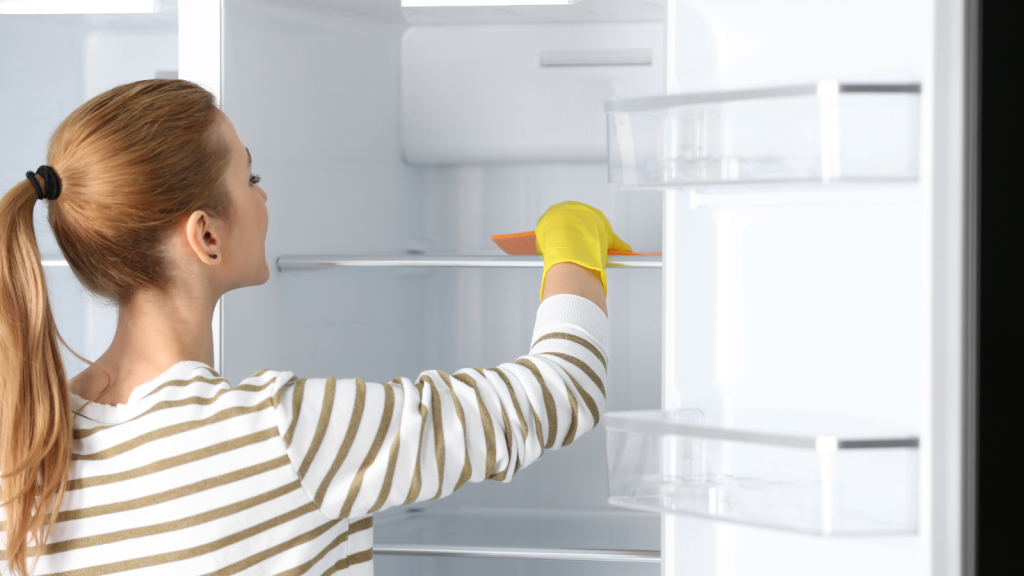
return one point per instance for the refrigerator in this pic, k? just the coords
(786, 381)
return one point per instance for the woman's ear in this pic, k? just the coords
(204, 236)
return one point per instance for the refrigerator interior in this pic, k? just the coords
(382, 131)
(388, 131)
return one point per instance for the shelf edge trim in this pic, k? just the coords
(312, 262)
(661, 102)
(823, 443)
(644, 556)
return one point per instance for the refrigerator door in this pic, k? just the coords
(801, 300)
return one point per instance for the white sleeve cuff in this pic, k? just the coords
(573, 310)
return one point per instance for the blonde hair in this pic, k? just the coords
(133, 162)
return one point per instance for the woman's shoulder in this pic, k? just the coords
(189, 391)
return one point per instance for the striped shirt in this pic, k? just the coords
(281, 474)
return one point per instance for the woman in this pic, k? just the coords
(150, 461)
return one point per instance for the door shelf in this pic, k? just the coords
(824, 132)
(419, 260)
(596, 536)
(825, 484)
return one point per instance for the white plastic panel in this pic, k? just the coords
(480, 94)
(730, 44)
(139, 55)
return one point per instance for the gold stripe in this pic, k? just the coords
(174, 429)
(508, 444)
(575, 339)
(582, 366)
(587, 399)
(284, 546)
(549, 403)
(297, 395)
(435, 404)
(540, 437)
(259, 373)
(166, 496)
(178, 555)
(174, 494)
(467, 466)
(357, 558)
(508, 426)
(281, 390)
(346, 445)
(485, 415)
(522, 421)
(85, 432)
(304, 567)
(515, 400)
(571, 434)
(173, 525)
(190, 401)
(389, 476)
(180, 383)
(167, 463)
(321, 427)
(378, 442)
(417, 478)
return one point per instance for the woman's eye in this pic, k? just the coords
(254, 179)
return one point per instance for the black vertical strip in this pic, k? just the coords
(972, 223)
(1001, 289)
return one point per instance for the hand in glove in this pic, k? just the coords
(577, 233)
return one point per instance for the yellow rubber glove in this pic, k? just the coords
(577, 233)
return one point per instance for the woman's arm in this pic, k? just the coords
(569, 278)
(360, 447)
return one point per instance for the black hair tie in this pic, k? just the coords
(51, 182)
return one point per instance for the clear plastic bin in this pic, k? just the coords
(824, 132)
(670, 461)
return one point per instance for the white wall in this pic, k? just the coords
(115, 57)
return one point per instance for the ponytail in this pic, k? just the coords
(133, 163)
(35, 406)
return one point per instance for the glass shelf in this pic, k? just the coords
(419, 260)
(603, 536)
(855, 483)
(824, 132)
